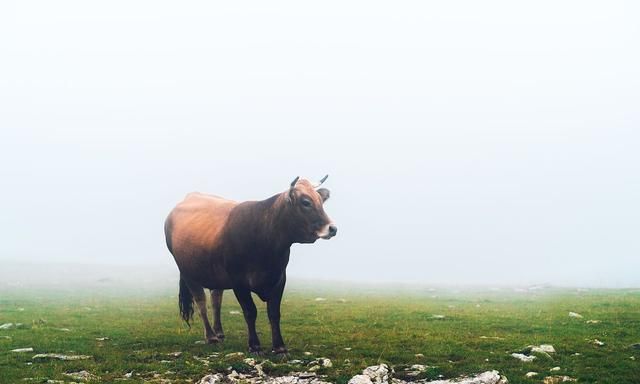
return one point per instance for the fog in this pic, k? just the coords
(466, 142)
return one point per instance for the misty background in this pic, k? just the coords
(466, 142)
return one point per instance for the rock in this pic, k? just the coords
(593, 321)
(531, 374)
(377, 373)
(324, 362)
(233, 355)
(522, 357)
(575, 315)
(492, 337)
(102, 338)
(5, 337)
(632, 357)
(320, 299)
(555, 369)
(54, 381)
(212, 379)
(360, 379)
(557, 379)
(542, 348)
(128, 375)
(235, 312)
(82, 376)
(347, 349)
(437, 316)
(597, 342)
(308, 353)
(415, 370)
(57, 356)
(199, 342)
(62, 329)
(488, 377)
(250, 361)
(10, 326)
(21, 350)
(419, 355)
(174, 354)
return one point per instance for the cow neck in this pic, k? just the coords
(276, 227)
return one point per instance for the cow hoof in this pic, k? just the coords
(256, 351)
(213, 340)
(281, 351)
(220, 336)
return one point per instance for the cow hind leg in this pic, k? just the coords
(216, 302)
(201, 300)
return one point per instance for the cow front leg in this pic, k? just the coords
(273, 310)
(250, 313)
(216, 302)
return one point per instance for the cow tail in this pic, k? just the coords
(185, 302)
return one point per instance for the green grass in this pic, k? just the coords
(377, 326)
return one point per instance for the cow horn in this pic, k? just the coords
(293, 183)
(321, 181)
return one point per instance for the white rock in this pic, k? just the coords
(234, 354)
(320, 299)
(58, 356)
(102, 338)
(360, 379)
(234, 312)
(308, 353)
(82, 376)
(437, 316)
(212, 379)
(10, 325)
(419, 355)
(576, 315)
(555, 369)
(128, 375)
(593, 321)
(377, 373)
(531, 374)
(598, 343)
(488, 377)
(20, 350)
(525, 358)
(543, 348)
(347, 349)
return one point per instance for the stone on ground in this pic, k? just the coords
(575, 315)
(522, 357)
(21, 350)
(558, 379)
(57, 356)
(82, 376)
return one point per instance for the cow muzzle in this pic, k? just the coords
(329, 231)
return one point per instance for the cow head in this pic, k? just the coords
(309, 220)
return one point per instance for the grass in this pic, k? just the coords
(479, 331)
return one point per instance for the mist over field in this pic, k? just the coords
(467, 143)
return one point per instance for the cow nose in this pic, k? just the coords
(333, 230)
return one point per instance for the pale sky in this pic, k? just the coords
(467, 142)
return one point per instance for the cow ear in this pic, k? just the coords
(290, 192)
(324, 193)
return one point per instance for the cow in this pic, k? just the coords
(222, 244)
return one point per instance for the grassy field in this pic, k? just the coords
(353, 328)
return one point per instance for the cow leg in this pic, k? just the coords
(201, 300)
(216, 302)
(250, 313)
(273, 310)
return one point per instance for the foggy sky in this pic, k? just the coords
(466, 142)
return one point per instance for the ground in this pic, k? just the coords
(454, 332)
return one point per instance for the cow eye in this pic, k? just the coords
(306, 203)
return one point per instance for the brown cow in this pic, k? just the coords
(222, 244)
